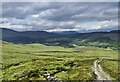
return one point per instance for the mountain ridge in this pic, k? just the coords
(108, 39)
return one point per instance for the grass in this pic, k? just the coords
(32, 61)
(111, 67)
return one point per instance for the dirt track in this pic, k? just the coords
(100, 73)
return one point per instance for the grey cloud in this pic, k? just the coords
(90, 11)
(23, 9)
(53, 14)
(63, 12)
(17, 10)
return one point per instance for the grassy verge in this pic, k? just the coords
(111, 68)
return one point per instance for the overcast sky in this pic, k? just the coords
(60, 16)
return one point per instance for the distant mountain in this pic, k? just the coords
(100, 39)
(8, 30)
(26, 36)
(65, 32)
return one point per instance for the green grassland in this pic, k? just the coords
(32, 61)
(110, 66)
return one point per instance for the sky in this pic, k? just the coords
(60, 16)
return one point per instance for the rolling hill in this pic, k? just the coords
(99, 39)
(25, 37)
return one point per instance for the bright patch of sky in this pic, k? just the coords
(93, 23)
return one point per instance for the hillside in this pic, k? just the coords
(99, 39)
(26, 36)
(33, 61)
(65, 32)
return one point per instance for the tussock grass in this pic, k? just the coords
(31, 61)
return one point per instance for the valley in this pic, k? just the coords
(97, 39)
(33, 61)
(59, 41)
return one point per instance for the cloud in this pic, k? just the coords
(59, 15)
(35, 16)
(54, 30)
(101, 25)
(113, 25)
(15, 27)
